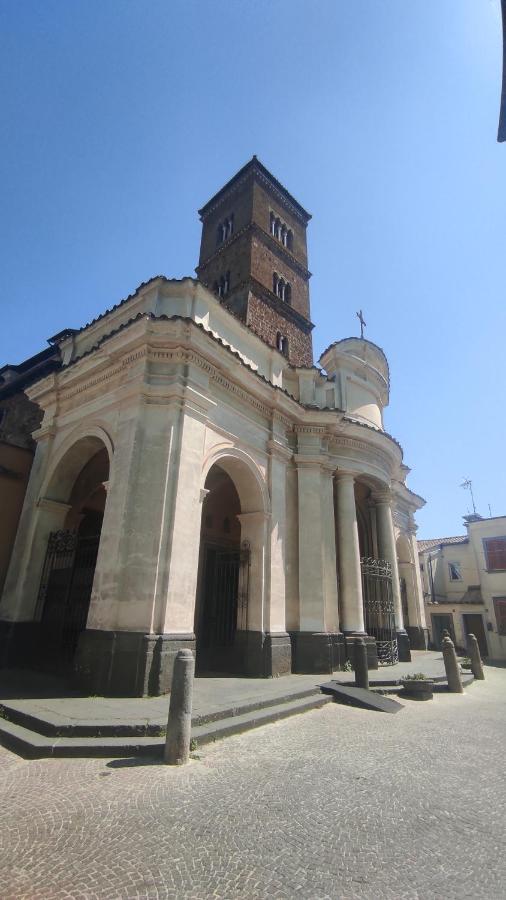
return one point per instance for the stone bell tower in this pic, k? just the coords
(253, 255)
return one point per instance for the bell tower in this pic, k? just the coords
(253, 255)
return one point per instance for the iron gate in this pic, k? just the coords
(65, 591)
(226, 599)
(379, 608)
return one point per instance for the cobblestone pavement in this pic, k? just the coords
(337, 803)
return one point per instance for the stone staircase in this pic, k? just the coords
(36, 735)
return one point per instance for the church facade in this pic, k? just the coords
(199, 482)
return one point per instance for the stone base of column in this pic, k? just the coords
(403, 647)
(317, 652)
(18, 643)
(418, 637)
(261, 655)
(370, 643)
(127, 663)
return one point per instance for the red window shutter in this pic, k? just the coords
(495, 552)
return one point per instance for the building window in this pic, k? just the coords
(455, 571)
(281, 288)
(282, 343)
(225, 229)
(500, 614)
(280, 231)
(222, 286)
(495, 553)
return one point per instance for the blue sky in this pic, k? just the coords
(120, 119)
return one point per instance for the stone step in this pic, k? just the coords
(33, 745)
(52, 725)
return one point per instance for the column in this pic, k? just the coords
(350, 575)
(388, 551)
(278, 653)
(317, 641)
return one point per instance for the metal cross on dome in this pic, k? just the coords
(363, 323)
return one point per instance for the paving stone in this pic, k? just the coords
(337, 803)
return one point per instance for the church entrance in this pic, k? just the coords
(69, 568)
(222, 601)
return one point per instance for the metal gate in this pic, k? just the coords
(226, 588)
(65, 591)
(379, 608)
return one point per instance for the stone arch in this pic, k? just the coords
(244, 548)
(66, 538)
(244, 472)
(74, 452)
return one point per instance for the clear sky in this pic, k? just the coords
(120, 118)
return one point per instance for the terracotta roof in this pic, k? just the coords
(437, 542)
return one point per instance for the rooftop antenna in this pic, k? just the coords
(467, 484)
(489, 510)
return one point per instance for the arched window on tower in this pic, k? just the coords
(288, 293)
(289, 239)
(282, 344)
(275, 280)
(273, 224)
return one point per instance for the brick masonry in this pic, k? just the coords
(252, 255)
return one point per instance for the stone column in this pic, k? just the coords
(387, 550)
(416, 628)
(254, 531)
(317, 643)
(350, 575)
(277, 646)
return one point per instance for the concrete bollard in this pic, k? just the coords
(474, 655)
(177, 744)
(452, 667)
(360, 658)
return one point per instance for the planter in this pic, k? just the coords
(418, 689)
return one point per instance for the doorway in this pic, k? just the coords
(69, 568)
(473, 624)
(221, 610)
(440, 623)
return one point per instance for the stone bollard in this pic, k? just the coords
(360, 659)
(452, 667)
(177, 744)
(474, 655)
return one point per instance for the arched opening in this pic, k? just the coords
(229, 602)
(78, 487)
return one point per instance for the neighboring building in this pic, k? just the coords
(464, 585)
(198, 482)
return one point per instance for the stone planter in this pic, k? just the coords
(418, 689)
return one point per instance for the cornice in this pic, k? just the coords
(255, 170)
(337, 441)
(274, 245)
(280, 306)
(279, 451)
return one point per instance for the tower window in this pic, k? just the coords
(222, 286)
(282, 343)
(225, 229)
(280, 231)
(281, 288)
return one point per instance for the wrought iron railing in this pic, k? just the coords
(379, 608)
